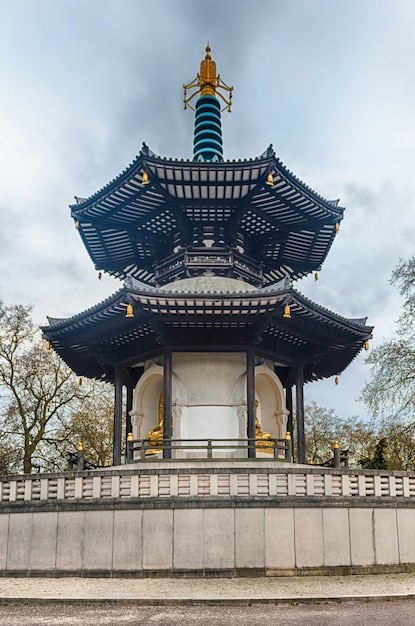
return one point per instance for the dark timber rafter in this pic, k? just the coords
(117, 224)
(103, 334)
(183, 223)
(180, 199)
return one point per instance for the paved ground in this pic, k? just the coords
(225, 591)
(398, 613)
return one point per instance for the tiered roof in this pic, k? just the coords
(250, 223)
(129, 227)
(93, 341)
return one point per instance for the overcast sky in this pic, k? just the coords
(330, 83)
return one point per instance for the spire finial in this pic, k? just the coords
(207, 83)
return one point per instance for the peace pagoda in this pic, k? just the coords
(208, 347)
(207, 338)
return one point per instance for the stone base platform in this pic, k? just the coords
(216, 518)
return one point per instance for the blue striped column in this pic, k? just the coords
(207, 144)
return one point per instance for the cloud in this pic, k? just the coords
(330, 84)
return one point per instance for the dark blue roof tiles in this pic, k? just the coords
(131, 220)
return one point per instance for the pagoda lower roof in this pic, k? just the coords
(130, 225)
(92, 343)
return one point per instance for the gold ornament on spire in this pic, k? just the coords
(207, 83)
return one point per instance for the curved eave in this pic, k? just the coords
(241, 172)
(126, 226)
(329, 342)
(326, 341)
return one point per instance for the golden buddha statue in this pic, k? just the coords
(263, 441)
(155, 435)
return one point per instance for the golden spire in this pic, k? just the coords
(207, 75)
(207, 83)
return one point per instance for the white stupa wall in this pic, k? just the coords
(209, 397)
(209, 379)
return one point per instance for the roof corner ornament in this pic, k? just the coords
(208, 83)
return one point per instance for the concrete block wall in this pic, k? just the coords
(207, 538)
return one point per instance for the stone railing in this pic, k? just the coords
(224, 480)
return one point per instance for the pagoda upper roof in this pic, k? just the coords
(131, 224)
(94, 341)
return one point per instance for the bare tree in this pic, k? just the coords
(92, 424)
(9, 455)
(390, 394)
(323, 428)
(38, 391)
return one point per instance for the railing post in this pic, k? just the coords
(275, 442)
(336, 455)
(209, 449)
(288, 448)
(142, 450)
(80, 461)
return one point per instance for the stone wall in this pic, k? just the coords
(116, 532)
(222, 479)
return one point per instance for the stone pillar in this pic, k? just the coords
(117, 440)
(168, 383)
(280, 418)
(299, 396)
(176, 414)
(241, 412)
(136, 422)
(250, 400)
